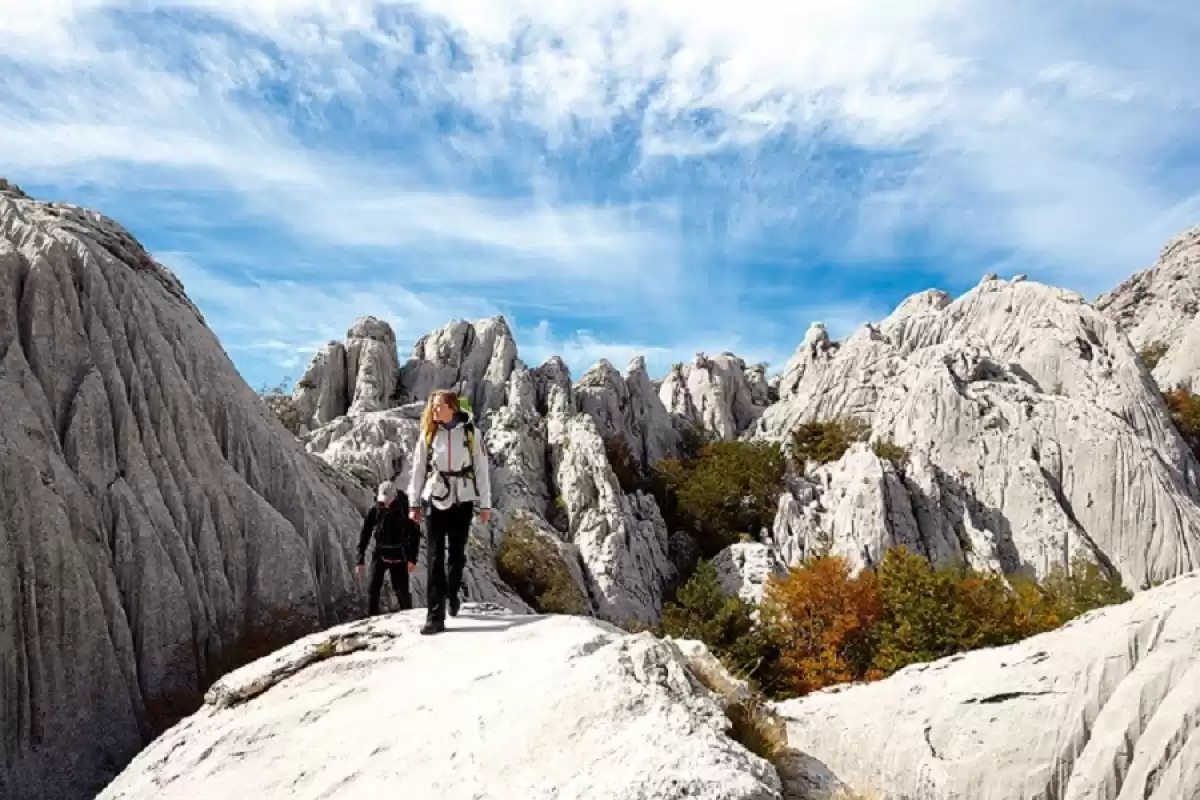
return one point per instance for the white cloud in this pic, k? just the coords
(1045, 135)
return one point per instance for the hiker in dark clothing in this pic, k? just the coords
(397, 546)
(450, 477)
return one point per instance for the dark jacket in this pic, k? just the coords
(397, 538)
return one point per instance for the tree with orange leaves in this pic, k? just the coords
(822, 619)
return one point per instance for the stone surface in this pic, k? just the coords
(501, 706)
(1033, 435)
(717, 394)
(1160, 307)
(628, 406)
(743, 569)
(473, 359)
(157, 519)
(1105, 708)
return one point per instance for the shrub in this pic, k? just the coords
(1152, 353)
(893, 453)
(732, 489)
(537, 571)
(826, 441)
(823, 620)
(725, 624)
(756, 727)
(624, 463)
(281, 405)
(831, 627)
(1185, 412)
(1082, 588)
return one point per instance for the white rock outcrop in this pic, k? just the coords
(717, 394)
(1033, 435)
(156, 518)
(473, 359)
(1159, 308)
(1105, 708)
(505, 706)
(628, 406)
(357, 376)
(743, 569)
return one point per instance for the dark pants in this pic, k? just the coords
(444, 580)
(399, 573)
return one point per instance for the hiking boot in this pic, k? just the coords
(455, 603)
(432, 626)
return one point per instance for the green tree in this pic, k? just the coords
(725, 624)
(732, 489)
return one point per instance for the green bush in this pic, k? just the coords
(830, 626)
(732, 489)
(893, 453)
(826, 441)
(1152, 353)
(625, 465)
(1185, 413)
(726, 624)
(537, 571)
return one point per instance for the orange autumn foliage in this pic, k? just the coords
(822, 620)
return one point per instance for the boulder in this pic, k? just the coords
(628, 406)
(501, 705)
(1106, 708)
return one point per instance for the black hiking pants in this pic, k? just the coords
(449, 527)
(398, 571)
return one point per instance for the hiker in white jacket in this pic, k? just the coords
(450, 478)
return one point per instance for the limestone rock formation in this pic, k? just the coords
(743, 569)
(506, 706)
(473, 359)
(1033, 434)
(1106, 708)
(158, 522)
(622, 538)
(1159, 309)
(357, 376)
(628, 406)
(717, 394)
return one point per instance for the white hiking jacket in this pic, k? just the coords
(448, 453)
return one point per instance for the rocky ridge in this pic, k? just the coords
(158, 522)
(1159, 309)
(638, 723)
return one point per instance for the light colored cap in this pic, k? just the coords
(387, 492)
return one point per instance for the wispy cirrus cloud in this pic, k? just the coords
(618, 174)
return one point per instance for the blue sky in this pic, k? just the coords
(616, 176)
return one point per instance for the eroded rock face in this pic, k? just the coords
(639, 723)
(1159, 309)
(357, 376)
(473, 359)
(1105, 708)
(156, 517)
(628, 406)
(717, 394)
(1033, 435)
(743, 569)
(622, 539)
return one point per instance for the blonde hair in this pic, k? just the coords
(428, 423)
